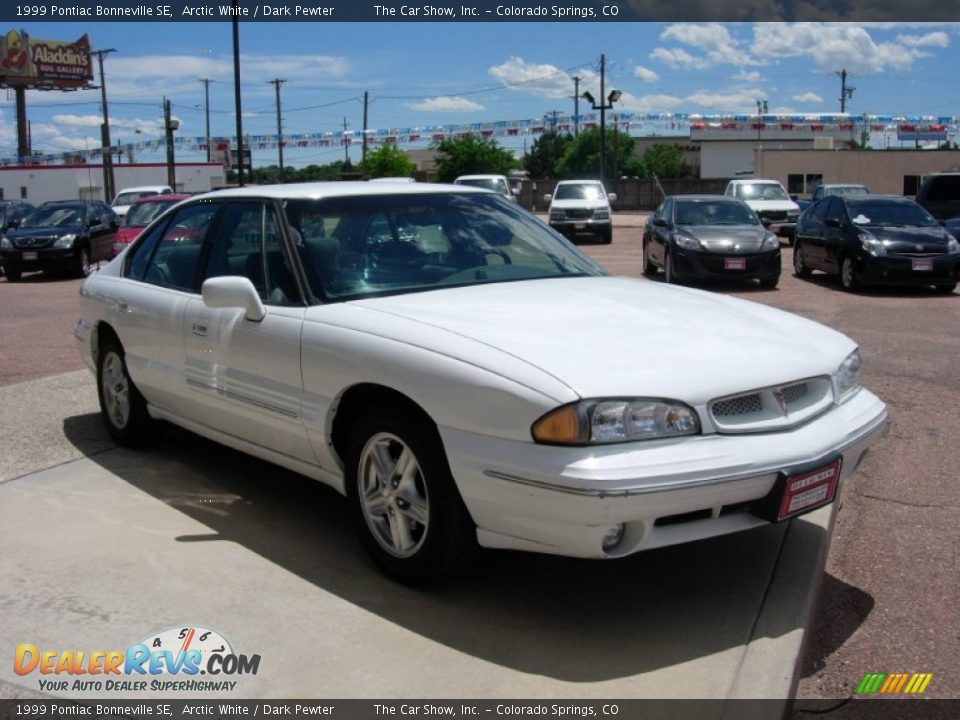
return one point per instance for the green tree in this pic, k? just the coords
(388, 161)
(665, 160)
(470, 155)
(581, 158)
(545, 154)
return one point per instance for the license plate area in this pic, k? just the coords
(734, 263)
(580, 226)
(800, 490)
(922, 264)
(30, 255)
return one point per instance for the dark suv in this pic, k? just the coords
(68, 236)
(940, 195)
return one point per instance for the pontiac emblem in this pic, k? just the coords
(919, 247)
(781, 401)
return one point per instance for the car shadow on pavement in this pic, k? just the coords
(832, 283)
(840, 611)
(572, 620)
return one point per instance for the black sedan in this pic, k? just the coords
(701, 237)
(876, 239)
(69, 236)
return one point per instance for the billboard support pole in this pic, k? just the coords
(23, 136)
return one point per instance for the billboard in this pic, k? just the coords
(31, 62)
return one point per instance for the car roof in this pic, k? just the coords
(724, 198)
(168, 197)
(579, 182)
(873, 198)
(482, 176)
(320, 190)
(754, 181)
(140, 188)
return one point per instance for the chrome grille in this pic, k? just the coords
(579, 214)
(773, 408)
(33, 242)
(742, 405)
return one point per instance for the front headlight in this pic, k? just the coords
(5, 244)
(872, 245)
(614, 421)
(953, 246)
(65, 241)
(601, 215)
(687, 242)
(770, 242)
(846, 380)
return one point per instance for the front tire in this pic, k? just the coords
(669, 273)
(848, 275)
(606, 237)
(947, 288)
(649, 269)
(123, 408)
(13, 273)
(408, 510)
(83, 268)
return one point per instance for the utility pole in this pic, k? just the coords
(168, 131)
(761, 108)
(206, 96)
(108, 187)
(363, 154)
(236, 91)
(846, 93)
(277, 82)
(576, 106)
(603, 118)
(553, 115)
(346, 147)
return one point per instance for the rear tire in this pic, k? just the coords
(408, 510)
(800, 268)
(123, 408)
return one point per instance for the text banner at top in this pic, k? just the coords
(575, 11)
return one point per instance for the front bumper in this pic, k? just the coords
(898, 270)
(698, 265)
(564, 500)
(41, 259)
(781, 228)
(572, 228)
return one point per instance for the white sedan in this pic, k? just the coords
(467, 377)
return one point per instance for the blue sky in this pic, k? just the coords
(440, 73)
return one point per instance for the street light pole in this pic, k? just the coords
(277, 82)
(761, 107)
(606, 103)
(108, 185)
(206, 96)
(236, 91)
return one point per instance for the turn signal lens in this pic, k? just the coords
(560, 426)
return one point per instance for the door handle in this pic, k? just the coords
(199, 329)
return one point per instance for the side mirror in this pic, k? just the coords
(93, 222)
(794, 197)
(514, 191)
(547, 197)
(611, 197)
(233, 291)
(660, 221)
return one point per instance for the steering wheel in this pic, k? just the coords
(499, 253)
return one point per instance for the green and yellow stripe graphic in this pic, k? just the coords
(894, 683)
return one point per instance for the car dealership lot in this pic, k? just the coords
(190, 516)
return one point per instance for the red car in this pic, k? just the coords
(141, 213)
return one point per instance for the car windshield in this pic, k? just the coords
(714, 212)
(761, 191)
(126, 198)
(363, 246)
(485, 183)
(142, 214)
(584, 191)
(846, 190)
(889, 213)
(55, 216)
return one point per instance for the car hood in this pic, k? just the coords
(574, 203)
(906, 239)
(606, 336)
(727, 238)
(47, 232)
(758, 205)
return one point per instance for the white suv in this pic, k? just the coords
(770, 202)
(581, 207)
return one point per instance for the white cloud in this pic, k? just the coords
(830, 46)
(679, 59)
(807, 97)
(713, 39)
(444, 104)
(733, 101)
(648, 103)
(117, 124)
(748, 76)
(542, 80)
(933, 39)
(645, 74)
